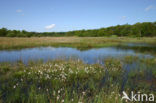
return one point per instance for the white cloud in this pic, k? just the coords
(149, 8)
(19, 11)
(50, 26)
(124, 17)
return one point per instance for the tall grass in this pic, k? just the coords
(73, 81)
(78, 42)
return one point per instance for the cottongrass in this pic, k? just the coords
(72, 81)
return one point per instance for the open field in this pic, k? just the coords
(78, 42)
(73, 81)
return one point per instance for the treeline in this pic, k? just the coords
(146, 29)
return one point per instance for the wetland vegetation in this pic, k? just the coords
(92, 69)
(72, 81)
(77, 42)
(78, 51)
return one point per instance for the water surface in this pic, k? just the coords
(95, 55)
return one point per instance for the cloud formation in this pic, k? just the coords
(124, 17)
(19, 11)
(149, 8)
(50, 26)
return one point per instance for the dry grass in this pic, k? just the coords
(16, 42)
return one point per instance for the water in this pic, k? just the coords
(95, 55)
(138, 45)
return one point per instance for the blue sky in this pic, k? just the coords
(66, 15)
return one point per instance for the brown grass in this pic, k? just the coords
(16, 42)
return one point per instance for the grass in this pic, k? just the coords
(73, 81)
(78, 42)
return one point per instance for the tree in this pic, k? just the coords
(136, 30)
(3, 32)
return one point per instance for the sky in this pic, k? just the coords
(68, 15)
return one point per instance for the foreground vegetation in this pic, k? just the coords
(78, 42)
(72, 81)
(146, 29)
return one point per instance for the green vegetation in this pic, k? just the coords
(77, 42)
(146, 29)
(73, 81)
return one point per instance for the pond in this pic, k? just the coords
(90, 56)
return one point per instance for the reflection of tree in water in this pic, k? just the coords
(142, 49)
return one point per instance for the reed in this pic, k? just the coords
(78, 42)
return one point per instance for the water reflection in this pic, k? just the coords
(95, 55)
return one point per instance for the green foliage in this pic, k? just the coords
(145, 29)
(3, 32)
(72, 81)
